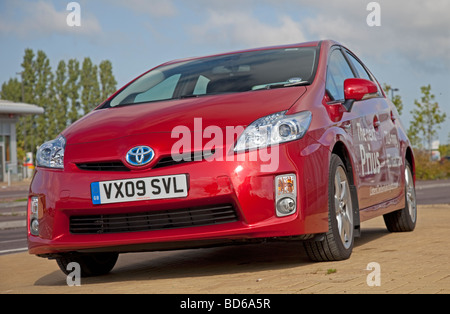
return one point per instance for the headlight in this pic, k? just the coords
(51, 154)
(274, 129)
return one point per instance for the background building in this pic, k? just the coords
(9, 117)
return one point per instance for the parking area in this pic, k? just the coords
(382, 262)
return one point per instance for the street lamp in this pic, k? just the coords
(392, 92)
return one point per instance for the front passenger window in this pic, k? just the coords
(338, 71)
(362, 73)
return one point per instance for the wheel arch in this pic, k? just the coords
(409, 156)
(341, 150)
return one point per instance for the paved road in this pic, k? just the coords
(433, 192)
(13, 208)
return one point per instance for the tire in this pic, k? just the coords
(404, 220)
(90, 264)
(338, 241)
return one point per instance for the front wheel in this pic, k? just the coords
(90, 264)
(338, 241)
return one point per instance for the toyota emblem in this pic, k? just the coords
(140, 156)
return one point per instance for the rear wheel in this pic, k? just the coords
(338, 241)
(90, 264)
(404, 220)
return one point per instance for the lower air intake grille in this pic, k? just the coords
(153, 220)
(103, 166)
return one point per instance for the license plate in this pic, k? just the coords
(140, 189)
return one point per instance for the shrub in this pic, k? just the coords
(430, 170)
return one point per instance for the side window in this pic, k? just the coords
(338, 71)
(362, 73)
(201, 85)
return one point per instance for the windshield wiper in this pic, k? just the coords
(281, 84)
(278, 85)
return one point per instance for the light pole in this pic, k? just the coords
(392, 92)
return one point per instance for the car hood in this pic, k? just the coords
(239, 109)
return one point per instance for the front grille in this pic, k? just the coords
(153, 220)
(163, 162)
(103, 166)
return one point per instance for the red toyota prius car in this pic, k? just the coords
(294, 142)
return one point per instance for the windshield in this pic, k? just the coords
(232, 73)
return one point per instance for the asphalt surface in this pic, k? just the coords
(433, 192)
(13, 207)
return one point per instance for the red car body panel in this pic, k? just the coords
(107, 135)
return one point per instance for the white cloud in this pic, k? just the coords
(154, 8)
(240, 29)
(42, 19)
(419, 32)
(416, 31)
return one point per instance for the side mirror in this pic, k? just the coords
(356, 89)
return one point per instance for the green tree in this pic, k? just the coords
(12, 90)
(44, 97)
(26, 133)
(427, 118)
(90, 94)
(61, 97)
(396, 100)
(28, 76)
(73, 84)
(107, 81)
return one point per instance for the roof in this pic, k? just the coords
(9, 107)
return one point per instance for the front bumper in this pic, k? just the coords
(63, 194)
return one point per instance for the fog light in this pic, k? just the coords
(286, 206)
(34, 226)
(285, 194)
(34, 215)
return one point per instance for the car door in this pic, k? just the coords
(364, 125)
(389, 185)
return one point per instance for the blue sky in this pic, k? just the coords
(411, 48)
